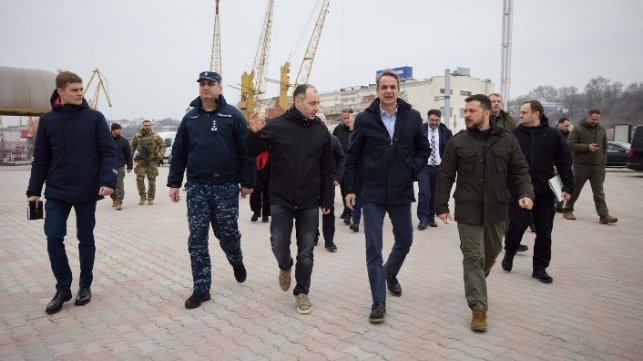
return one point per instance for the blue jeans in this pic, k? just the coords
(56, 214)
(280, 231)
(426, 193)
(218, 205)
(400, 216)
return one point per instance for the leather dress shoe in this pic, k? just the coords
(432, 224)
(83, 297)
(541, 275)
(394, 285)
(254, 217)
(378, 311)
(56, 303)
(523, 248)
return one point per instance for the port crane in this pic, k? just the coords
(102, 84)
(252, 83)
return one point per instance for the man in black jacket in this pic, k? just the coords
(479, 159)
(438, 135)
(210, 148)
(124, 158)
(342, 131)
(386, 154)
(75, 156)
(300, 183)
(544, 148)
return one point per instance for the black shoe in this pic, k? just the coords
(522, 248)
(265, 219)
(254, 217)
(378, 311)
(347, 220)
(393, 285)
(196, 299)
(532, 227)
(83, 296)
(508, 262)
(542, 275)
(240, 273)
(331, 247)
(432, 224)
(354, 227)
(56, 303)
(423, 225)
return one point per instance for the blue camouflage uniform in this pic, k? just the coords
(210, 148)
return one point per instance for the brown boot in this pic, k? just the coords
(479, 321)
(150, 201)
(607, 219)
(114, 204)
(119, 207)
(569, 215)
(142, 201)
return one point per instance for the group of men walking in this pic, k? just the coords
(497, 172)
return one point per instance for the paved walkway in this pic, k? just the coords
(592, 311)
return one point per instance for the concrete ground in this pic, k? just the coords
(592, 311)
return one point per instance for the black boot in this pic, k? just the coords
(508, 262)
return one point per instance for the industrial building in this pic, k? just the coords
(423, 94)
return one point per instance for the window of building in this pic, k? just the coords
(465, 93)
(442, 91)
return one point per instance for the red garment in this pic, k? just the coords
(262, 159)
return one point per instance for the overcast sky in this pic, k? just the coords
(152, 51)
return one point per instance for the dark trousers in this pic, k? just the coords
(260, 198)
(542, 214)
(347, 211)
(216, 205)
(57, 213)
(400, 216)
(306, 221)
(426, 193)
(328, 226)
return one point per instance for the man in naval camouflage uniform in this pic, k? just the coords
(148, 148)
(209, 148)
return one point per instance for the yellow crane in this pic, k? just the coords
(252, 83)
(215, 57)
(306, 65)
(102, 84)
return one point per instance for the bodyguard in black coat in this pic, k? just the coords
(544, 147)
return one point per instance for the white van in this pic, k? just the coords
(168, 138)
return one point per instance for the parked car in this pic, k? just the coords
(168, 138)
(636, 150)
(618, 154)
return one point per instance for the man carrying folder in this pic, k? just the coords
(544, 147)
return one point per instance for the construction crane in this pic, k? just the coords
(215, 57)
(306, 65)
(252, 83)
(102, 84)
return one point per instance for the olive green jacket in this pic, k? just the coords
(581, 136)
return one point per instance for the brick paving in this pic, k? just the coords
(592, 311)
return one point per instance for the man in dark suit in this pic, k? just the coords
(438, 135)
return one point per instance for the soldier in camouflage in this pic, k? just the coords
(148, 148)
